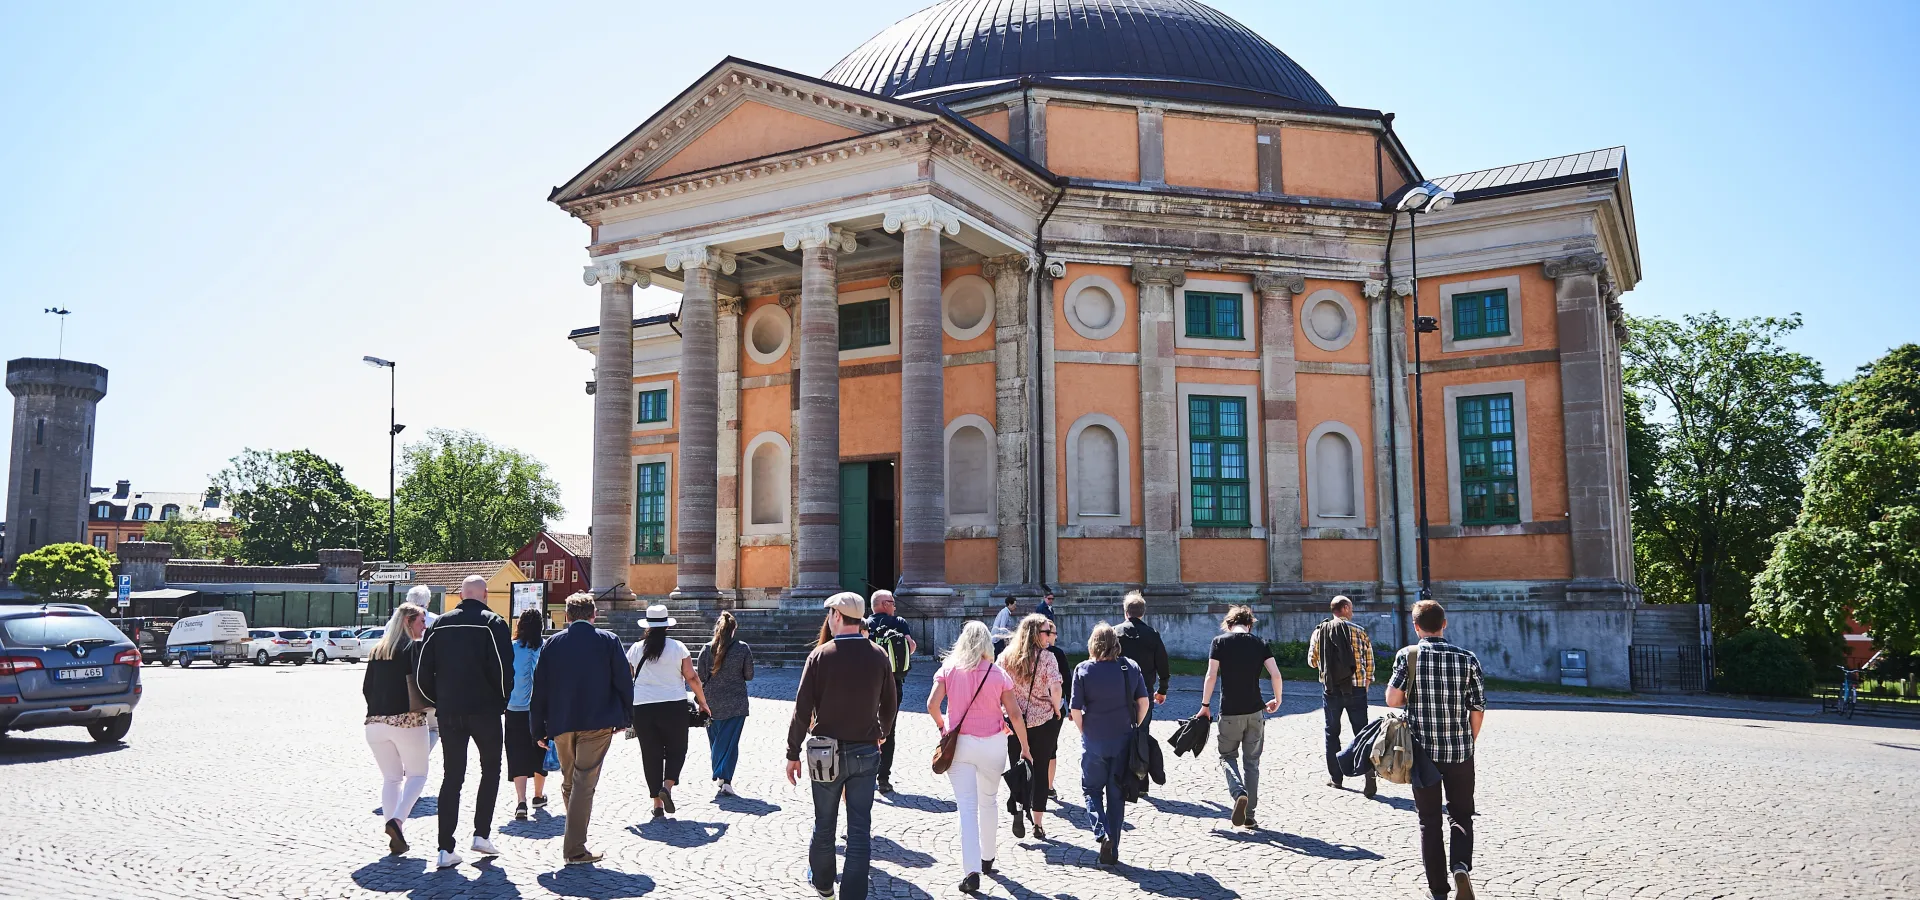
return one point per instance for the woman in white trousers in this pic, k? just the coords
(977, 693)
(396, 723)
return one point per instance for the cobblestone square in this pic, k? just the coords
(251, 782)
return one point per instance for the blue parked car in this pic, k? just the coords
(64, 664)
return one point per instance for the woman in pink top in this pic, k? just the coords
(981, 693)
(1037, 689)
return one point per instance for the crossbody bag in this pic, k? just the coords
(950, 741)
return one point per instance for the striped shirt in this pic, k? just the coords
(1446, 691)
(1356, 637)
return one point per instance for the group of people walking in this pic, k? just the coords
(999, 703)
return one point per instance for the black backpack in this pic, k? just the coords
(894, 643)
(1336, 653)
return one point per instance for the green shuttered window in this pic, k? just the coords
(1217, 460)
(653, 406)
(1489, 477)
(865, 324)
(650, 507)
(1214, 315)
(1480, 314)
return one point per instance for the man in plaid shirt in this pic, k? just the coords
(1344, 656)
(1449, 701)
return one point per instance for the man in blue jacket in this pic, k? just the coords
(582, 690)
(465, 671)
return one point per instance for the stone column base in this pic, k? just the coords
(1169, 591)
(1288, 589)
(1016, 590)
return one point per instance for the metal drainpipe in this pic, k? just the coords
(1393, 453)
(1036, 555)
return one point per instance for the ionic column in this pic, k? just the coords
(923, 468)
(1585, 340)
(1280, 431)
(1159, 427)
(699, 422)
(613, 427)
(817, 423)
(1013, 418)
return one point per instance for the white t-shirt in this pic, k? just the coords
(659, 680)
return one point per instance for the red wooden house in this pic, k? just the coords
(560, 560)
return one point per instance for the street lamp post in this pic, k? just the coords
(393, 435)
(1424, 197)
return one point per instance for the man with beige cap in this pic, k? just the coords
(845, 701)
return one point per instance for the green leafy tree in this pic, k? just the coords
(463, 497)
(1855, 549)
(291, 503)
(1727, 419)
(194, 539)
(66, 573)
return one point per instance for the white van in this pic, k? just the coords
(220, 637)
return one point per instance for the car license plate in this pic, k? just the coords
(78, 674)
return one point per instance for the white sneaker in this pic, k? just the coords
(448, 859)
(484, 846)
(726, 789)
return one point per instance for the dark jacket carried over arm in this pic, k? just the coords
(465, 666)
(1140, 643)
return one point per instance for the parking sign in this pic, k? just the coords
(364, 587)
(126, 591)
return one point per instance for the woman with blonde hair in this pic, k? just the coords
(396, 722)
(1030, 662)
(1109, 702)
(725, 667)
(977, 692)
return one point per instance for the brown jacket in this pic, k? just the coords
(846, 692)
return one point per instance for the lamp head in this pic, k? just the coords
(1425, 197)
(376, 362)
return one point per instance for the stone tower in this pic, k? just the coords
(51, 451)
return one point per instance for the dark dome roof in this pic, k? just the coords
(956, 42)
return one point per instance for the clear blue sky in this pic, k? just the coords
(238, 203)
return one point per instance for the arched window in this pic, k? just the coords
(169, 511)
(970, 472)
(1099, 481)
(143, 512)
(1335, 495)
(768, 469)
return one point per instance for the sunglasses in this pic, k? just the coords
(1049, 631)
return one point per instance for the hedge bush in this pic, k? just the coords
(1291, 654)
(1757, 661)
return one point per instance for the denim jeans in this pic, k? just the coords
(1352, 703)
(723, 744)
(859, 768)
(1102, 764)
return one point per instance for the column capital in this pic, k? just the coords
(1280, 283)
(1373, 288)
(1149, 273)
(813, 235)
(1577, 264)
(993, 266)
(700, 256)
(926, 213)
(615, 271)
(1403, 287)
(729, 306)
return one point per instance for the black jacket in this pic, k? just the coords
(1144, 763)
(465, 663)
(385, 684)
(1191, 736)
(1140, 643)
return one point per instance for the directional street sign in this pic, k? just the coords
(385, 576)
(126, 591)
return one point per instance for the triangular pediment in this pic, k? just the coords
(737, 112)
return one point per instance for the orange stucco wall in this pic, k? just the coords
(970, 390)
(870, 415)
(1341, 560)
(993, 123)
(1126, 339)
(1346, 399)
(1102, 560)
(1356, 350)
(1210, 153)
(750, 131)
(1317, 162)
(1081, 388)
(1204, 560)
(762, 567)
(1391, 178)
(1502, 556)
(973, 561)
(766, 409)
(1539, 313)
(1094, 142)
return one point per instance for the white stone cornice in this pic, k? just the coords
(615, 271)
(811, 235)
(924, 213)
(700, 256)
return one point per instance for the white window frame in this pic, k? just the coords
(987, 519)
(1073, 313)
(946, 308)
(784, 470)
(1249, 324)
(892, 346)
(1123, 474)
(1522, 470)
(1316, 518)
(1328, 295)
(644, 386)
(1256, 491)
(1514, 336)
(764, 311)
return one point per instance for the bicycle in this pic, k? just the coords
(1848, 699)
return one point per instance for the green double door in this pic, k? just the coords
(866, 526)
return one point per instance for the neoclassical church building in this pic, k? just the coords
(1104, 296)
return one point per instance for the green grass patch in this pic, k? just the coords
(1547, 687)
